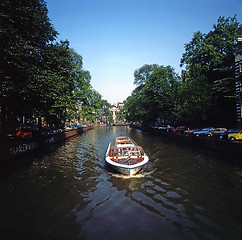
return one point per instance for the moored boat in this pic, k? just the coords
(125, 156)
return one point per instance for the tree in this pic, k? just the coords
(57, 84)
(194, 98)
(38, 76)
(211, 56)
(142, 75)
(155, 95)
(25, 33)
(104, 113)
(121, 115)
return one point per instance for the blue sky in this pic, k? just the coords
(116, 37)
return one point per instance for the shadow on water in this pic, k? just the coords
(26, 160)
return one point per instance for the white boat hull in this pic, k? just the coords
(126, 164)
(126, 171)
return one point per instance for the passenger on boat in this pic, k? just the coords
(119, 153)
(134, 152)
(128, 153)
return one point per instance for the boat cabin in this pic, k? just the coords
(124, 150)
(125, 155)
(122, 141)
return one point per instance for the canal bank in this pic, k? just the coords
(13, 148)
(222, 146)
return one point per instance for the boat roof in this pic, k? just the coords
(123, 141)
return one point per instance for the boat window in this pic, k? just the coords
(111, 152)
(122, 139)
(127, 151)
(123, 143)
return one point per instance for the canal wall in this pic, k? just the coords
(223, 146)
(12, 148)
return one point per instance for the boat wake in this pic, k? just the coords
(141, 174)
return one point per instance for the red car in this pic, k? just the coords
(179, 129)
(24, 132)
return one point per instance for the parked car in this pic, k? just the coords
(83, 125)
(169, 128)
(165, 128)
(235, 136)
(224, 135)
(179, 129)
(161, 127)
(53, 131)
(24, 132)
(216, 131)
(191, 131)
(11, 134)
(203, 132)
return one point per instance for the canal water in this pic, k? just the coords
(66, 191)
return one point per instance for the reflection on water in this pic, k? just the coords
(140, 174)
(67, 191)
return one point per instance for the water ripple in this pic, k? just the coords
(67, 192)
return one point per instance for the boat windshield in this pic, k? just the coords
(126, 151)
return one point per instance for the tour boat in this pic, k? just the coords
(125, 156)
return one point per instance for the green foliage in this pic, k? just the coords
(40, 77)
(155, 95)
(142, 75)
(211, 57)
(105, 115)
(194, 98)
(58, 83)
(43, 78)
(121, 115)
(206, 94)
(110, 118)
(25, 33)
(134, 107)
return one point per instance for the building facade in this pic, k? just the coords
(115, 109)
(238, 82)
